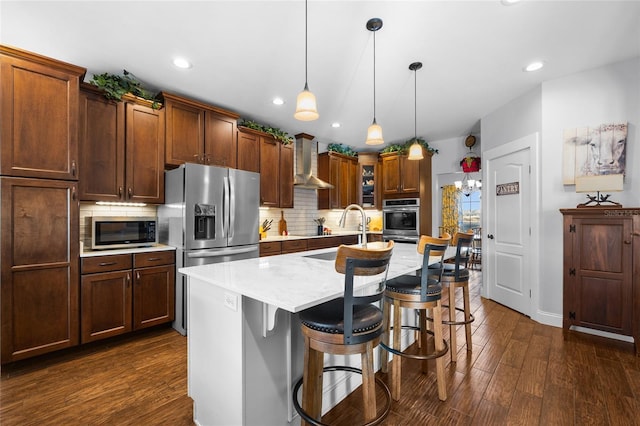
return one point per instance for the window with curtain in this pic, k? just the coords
(450, 209)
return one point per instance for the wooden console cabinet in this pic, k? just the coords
(601, 272)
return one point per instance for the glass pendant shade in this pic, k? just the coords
(374, 134)
(415, 152)
(306, 108)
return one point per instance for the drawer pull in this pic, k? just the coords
(154, 259)
(108, 263)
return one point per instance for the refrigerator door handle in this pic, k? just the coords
(225, 206)
(223, 252)
(232, 206)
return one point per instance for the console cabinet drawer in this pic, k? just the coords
(116, 262)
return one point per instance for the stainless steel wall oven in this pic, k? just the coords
(401, 219)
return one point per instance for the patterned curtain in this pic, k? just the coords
(450, 211)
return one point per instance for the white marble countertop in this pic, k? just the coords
(295, 282)
(155, 247)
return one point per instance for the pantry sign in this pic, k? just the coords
(508, 188)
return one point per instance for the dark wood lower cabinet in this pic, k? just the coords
(39, 279)
(153, 296)
(271, 248)
(106, 305)
(126, 292)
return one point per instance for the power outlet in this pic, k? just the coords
(231, 301)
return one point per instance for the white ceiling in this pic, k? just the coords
(244, 53)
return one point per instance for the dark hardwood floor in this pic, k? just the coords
(519, 372)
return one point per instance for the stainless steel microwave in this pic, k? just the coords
(108, 232)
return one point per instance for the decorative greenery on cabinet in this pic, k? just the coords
(277, 134)
(403, 148)
(341, 149)
(115, 86)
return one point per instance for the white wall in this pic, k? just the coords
(609, 93)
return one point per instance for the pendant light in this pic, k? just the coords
(415, 152)
(374, 133)
(306, 109)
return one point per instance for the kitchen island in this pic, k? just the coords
(245, 349)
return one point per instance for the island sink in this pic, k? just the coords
(323, 256)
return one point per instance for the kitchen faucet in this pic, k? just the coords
(342, 221)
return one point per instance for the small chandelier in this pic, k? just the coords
(374, 132)
(306, 108)
(467, 185)
(415, 152)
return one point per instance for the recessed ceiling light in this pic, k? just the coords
(534, 66)
(335, 125)
(181, 63)
(509, 2)
(278, 101)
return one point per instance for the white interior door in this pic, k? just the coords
(508, 252)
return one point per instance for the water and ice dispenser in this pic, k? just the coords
(205, 222)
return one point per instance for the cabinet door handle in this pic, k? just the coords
(73, 193)
(627, 241)
(130, 192)
(120, 192)
(128, 280)
(106, 263)
(138, 276)
(490, 236)
(73, 167)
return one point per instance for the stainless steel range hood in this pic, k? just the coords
(304, 178)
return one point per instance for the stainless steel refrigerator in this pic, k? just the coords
(210, 215)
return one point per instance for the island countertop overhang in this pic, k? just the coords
(295, 282)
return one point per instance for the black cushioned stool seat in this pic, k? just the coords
(345, 326)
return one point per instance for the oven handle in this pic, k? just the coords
(400, 209)
(400, 238)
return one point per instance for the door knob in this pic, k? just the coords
(490, 236)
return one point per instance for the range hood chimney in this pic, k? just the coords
(304, 178)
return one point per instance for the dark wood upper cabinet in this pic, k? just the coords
(102, 147)
(340, 171)
(121, 149)
(199, 133)
(286, 176)
(248, 150)
(39, 115)
(220, 140)
(145, 154)
(184, 132)
(269, 172)
(399, 175)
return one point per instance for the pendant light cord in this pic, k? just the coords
(305, 46)
(374, 76)
(415, 105)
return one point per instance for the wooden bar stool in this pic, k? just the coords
(345, 326)
(419, 292)
(456, 275)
